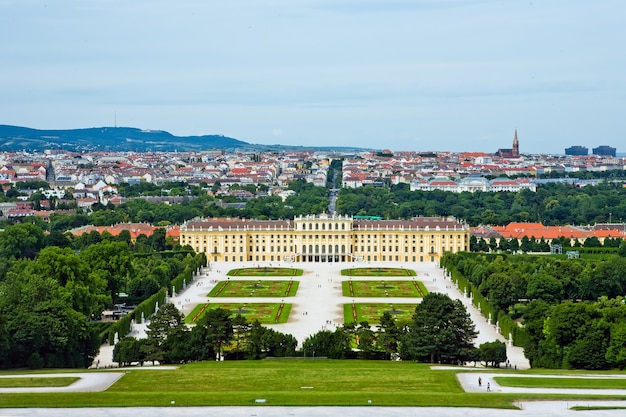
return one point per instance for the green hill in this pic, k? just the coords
(117, 139)
(15, 138)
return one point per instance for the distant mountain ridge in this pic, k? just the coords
(119, 139)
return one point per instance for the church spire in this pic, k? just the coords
(515, 145)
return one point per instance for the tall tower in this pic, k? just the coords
(515, 146)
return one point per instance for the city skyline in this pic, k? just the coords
(401, 75)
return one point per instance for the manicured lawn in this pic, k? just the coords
(293, 382)
(383, 289)
(34, 382)
(378, 272)
(265, 272)
(371, 312)
(265, 313)
(237, 288)
(562, 382)
(278, 382)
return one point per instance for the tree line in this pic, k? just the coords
(54, 288)
(572, 311)
(552, 204)
(440, 331)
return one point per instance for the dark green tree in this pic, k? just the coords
(127, 350)
(218, 326)
(165, 333)
(493, 353)
(441, 332)
(389, 334)
(542, 286)
(333, 345)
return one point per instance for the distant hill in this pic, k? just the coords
(116, 139)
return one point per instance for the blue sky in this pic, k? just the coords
(424, 75)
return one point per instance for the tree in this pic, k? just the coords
(389, 334)
(56, 238)
(165, 333)
(41, 323)
(500, 289)
(334, 345)
(21, 241)
(86, 291)
(589, 350)
(493, 353)
(113, 261)
(616, 352)
(441, 332)
(127, 350)
(366, 339)
(218, 326)
(241, 330)
(545, 287)
(263, 342)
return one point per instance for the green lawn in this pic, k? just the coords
(265, 313)
(249, 288)
(294, 382)
(377, 288)
(371, 312)
(565, 382)
(265, 272)
(34, 382)
(378, 272)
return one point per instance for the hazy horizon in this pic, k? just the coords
(414, 75)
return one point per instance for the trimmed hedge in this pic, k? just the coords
(148, 307)
(506, 324)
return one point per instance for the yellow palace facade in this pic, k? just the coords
(324, 238)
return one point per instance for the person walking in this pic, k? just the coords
(480, 382)
(488, 387)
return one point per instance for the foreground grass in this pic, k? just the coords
(35, 382)
(294, 382)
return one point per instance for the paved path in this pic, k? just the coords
(528, 409)
(469, 382)
(88, 382)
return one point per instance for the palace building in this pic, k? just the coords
(324, 238)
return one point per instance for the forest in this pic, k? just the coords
(54, 288)
(552, 204)
(565, 313)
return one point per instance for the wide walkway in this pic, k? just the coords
(318, 304)
(528, 409)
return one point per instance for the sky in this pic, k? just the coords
(412, 75)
